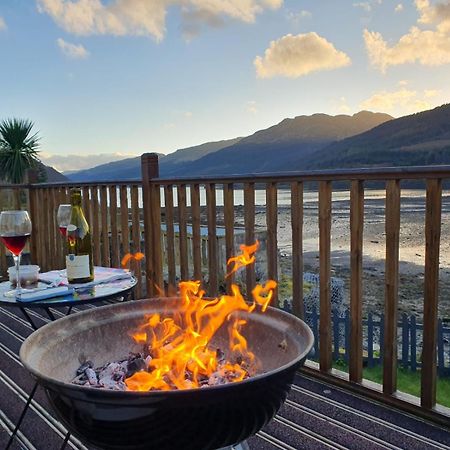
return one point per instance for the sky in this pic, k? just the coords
(124, 77)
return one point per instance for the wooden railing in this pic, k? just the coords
(121, 224)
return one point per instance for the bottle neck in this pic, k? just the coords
(76, 199)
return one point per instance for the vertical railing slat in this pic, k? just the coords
(48, 213)
(57, 256)
(36, 231)
(105, 226)
(325, 275)
(114, 229)
(212, 239)
(392, 225)
(96, 225)
(298, 307)
(370, 340)
(440, 349)
(182, 232)
(136, 237)
(157, 263)
(196, 232)
(170, 239)
(272, 237)
(405, 341)
(249, 223)
(228, 211)
(431, 290)
(413, 344)
(124, 228)
(356, 252)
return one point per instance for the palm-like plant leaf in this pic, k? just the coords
(18, 149)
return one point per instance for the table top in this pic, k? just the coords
(93, 294)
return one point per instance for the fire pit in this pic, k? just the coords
(195, 419)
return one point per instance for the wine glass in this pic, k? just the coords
(15, 229)
(63, 218)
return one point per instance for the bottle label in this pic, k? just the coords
(77, 266)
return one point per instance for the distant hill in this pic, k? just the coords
(271, 149)
(279, 147)
(53, 175)
(419, 139)
(130, 169)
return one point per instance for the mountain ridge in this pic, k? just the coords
(265, 150)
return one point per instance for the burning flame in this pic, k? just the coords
(180, 344)
(129, 256)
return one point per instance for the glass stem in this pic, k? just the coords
(17, 262)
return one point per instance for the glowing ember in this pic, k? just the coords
(179, 345)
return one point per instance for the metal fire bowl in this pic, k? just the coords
(193, 419)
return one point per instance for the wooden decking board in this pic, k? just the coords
(316, 416)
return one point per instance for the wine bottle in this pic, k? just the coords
(79, 262)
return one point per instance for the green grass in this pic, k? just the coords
(407, 381)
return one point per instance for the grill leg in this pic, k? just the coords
(19, 422)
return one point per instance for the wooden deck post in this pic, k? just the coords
(151, 207)
(356, 252)
(391, 290)
(431, 294)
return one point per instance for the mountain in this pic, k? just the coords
(271, 149)
(419, 139)
(175, 162)
(130, 169)
(125, 169)
(279, 147)
(52, 175)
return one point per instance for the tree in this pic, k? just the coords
(18, 149)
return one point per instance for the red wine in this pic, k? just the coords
(63, 231)
(15, 244)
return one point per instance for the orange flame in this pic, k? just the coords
(244, 259)
(129, 256)
(181, 344)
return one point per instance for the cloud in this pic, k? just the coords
(2, 24)
(295, 56)
(364, 5)
(296, 17)
(403, 100)
(71, 50)
(399, 8)
(367, 6)
(429, 47)
(187, 114)
(145, 17)
(342, 106)
(79, 161)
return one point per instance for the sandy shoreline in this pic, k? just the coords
(412, 246)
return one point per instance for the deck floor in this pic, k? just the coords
(315, 416)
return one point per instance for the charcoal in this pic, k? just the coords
(216, 379)
(91, 376)
(136, 365)
(113, 375)
(86, 365)
(220, 355)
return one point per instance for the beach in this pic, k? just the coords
(411, 253)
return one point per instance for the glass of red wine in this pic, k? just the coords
(15, 230)
(63, 218)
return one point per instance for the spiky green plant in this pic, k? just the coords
(18, 149)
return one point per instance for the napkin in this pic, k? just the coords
(44, 294)
(101, 275)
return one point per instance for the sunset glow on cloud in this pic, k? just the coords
(132, 76)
